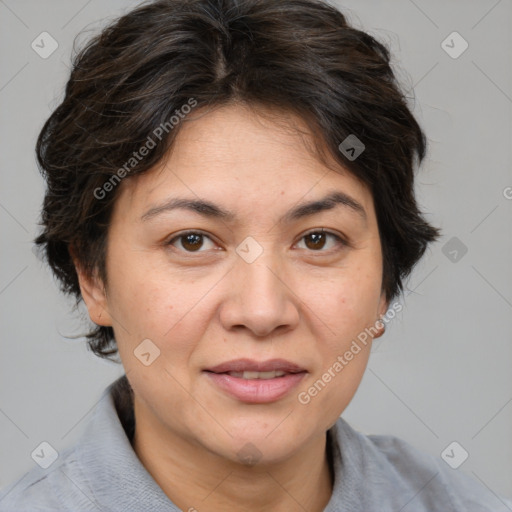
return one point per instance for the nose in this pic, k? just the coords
(260, 298)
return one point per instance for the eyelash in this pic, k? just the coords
(343, 243)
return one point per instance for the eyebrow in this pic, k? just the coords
(211, 210)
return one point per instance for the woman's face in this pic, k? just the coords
(243, 290)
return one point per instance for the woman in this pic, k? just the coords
(231, 193)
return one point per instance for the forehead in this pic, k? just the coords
(254, 154)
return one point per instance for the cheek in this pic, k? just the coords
(348, 303)
(140, 289)
(141, 302)
(142, 306)
(330, 391)
(148, 302)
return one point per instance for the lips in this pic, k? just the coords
(249, 365)
(257, 375)
(256, 381)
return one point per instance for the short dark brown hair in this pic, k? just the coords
(300, 56)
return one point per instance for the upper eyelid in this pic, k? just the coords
(340, 238)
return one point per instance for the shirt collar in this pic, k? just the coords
(121, 482)
(107, 459)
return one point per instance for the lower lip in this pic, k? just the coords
(258, 391)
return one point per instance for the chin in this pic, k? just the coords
(265, 442)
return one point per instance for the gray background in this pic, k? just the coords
(441, 373)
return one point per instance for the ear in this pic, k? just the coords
(93, 293)
(383, 304)
(382, 308)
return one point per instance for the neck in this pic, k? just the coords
(196, 479)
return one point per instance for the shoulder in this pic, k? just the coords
(77, 479)
(53, 489)
(424, 482)
(30, 492)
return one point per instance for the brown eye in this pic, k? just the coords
(315, 240)
(192, 241)
(318, 240)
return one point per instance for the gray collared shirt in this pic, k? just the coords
(373, 473)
